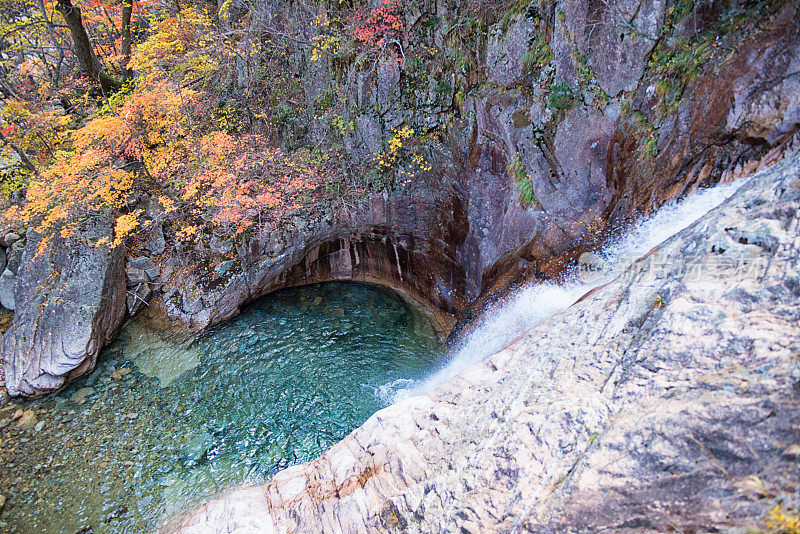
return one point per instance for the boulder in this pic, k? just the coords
(136, 276)
(138, 298)
(155, 243)
(27, 421)
(14, 257)
(219, 245)
(197, 447)
(69, 302)
(11, 238)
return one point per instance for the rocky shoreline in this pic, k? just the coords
(660, 401)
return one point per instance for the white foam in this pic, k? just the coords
(510, 318)
(387, 393)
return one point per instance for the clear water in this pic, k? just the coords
(182, 420)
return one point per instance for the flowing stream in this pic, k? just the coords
(163, 424)
(518, 313)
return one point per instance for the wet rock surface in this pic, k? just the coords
(652, 404)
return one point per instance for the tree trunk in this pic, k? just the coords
(87, 60)
(52, 33)
(127, 11)
(21, 153)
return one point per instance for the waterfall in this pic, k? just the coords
(521, 311)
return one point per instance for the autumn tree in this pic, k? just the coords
(195, 125)
(87, 59)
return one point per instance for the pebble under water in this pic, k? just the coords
(163, 424)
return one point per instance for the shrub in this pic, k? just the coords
(523, 183)
(561, 96)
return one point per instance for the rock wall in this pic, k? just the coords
(405, 241)
(621, 108)
(590, 166)
(665, 400)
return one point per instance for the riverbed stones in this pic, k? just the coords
(79, 397)
(197, 447)
(158, 356)
(119, 374)
(27, 420)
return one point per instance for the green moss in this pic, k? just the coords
(443, 88)
(675, 66)
(539, 54)
(647, 134)
(117, 99)
(679, 11)
(431, 21)
(561, 96)
(515, 168)
(461, 97)
(281, 115)
(521, 118)
(685, 58)
(459, 46)
(587, 78)
(324, 102)
(675, 63)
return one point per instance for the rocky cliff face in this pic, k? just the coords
(406, 242)
(542, 130)
(625, 107)
(664, 400)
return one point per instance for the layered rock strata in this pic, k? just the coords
(70, 302)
